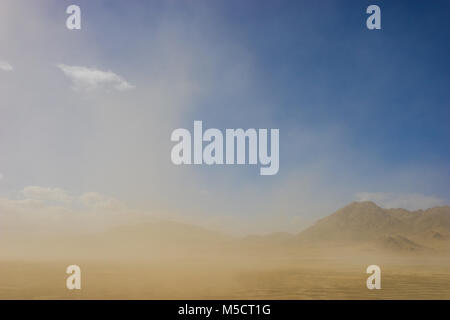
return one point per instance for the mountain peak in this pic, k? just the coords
(365, 221)
(362, 205)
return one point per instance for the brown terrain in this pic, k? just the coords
(172, 260)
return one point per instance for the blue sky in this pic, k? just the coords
(363, 115)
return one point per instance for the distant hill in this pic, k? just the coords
(166, 233)
(145, 240)
(365, 222)
(359, 225)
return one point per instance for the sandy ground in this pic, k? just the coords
(229, 278)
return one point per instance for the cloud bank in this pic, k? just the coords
(39, 209)
(47, 194)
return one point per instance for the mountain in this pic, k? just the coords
(164, 234)
(359, 225)
(398, 229)
(399, 242)
(145, 240)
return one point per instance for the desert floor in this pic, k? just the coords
(229, 278)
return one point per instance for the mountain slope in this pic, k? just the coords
(365, 222)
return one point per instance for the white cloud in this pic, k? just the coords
(409, 201)
(84, 78)
(41, 209)
(1, 176)
(5, 66)
(98, 201)
(46, 194)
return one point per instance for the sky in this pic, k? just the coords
(86, 115)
